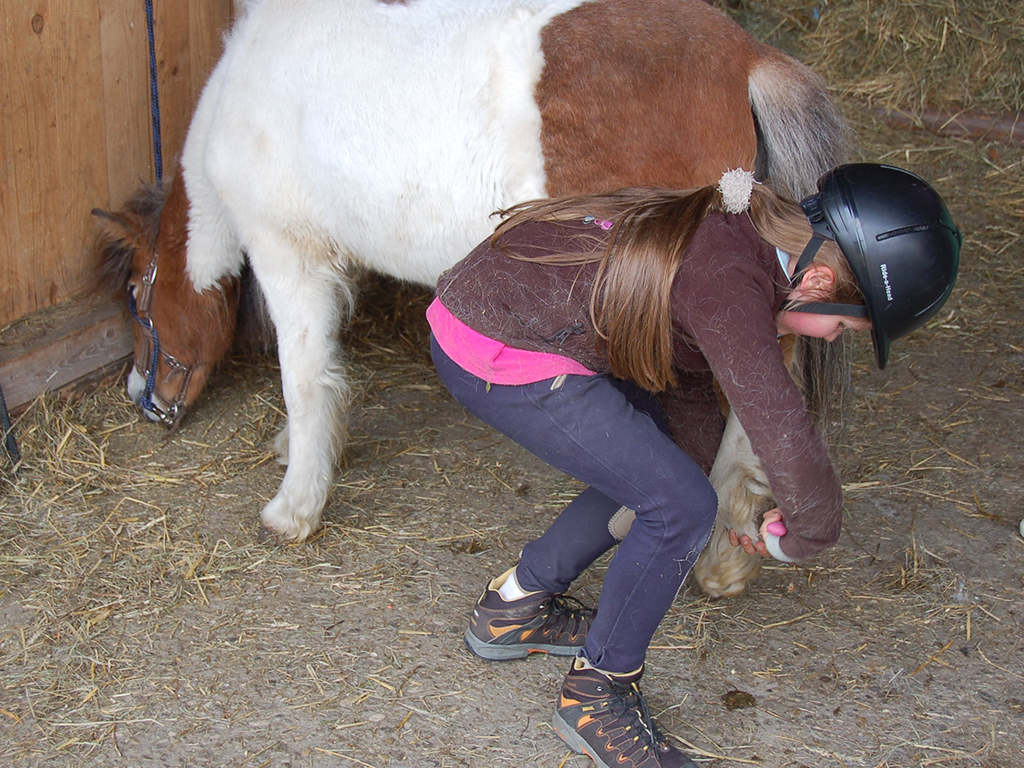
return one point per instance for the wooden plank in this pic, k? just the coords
(18, 63)
(53, 150)
(175, 77)
(75, 131)
(61, 347)
(75, 134)
(10, 229)
(207, 26)
(125, 62)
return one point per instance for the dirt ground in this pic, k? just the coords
(141, 624)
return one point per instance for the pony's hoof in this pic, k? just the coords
(283, 518)
(269, 536)
(715, 589)
(726, 578)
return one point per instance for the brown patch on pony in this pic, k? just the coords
(653, 99)
(195, 328)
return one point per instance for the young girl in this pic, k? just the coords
(591, 329)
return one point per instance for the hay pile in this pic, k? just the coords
(952, 55)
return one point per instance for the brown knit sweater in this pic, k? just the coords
(725, 297)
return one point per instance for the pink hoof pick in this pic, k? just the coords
(776, 528)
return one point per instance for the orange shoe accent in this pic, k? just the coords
(502, 630)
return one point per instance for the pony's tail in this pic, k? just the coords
(800, 132)
(800, 135)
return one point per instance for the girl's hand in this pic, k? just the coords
(750, 546)
(772, 518)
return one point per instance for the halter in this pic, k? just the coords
(169, 414)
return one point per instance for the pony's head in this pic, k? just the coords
(180, 334)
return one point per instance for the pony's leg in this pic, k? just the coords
(743, 495)
(307, 298)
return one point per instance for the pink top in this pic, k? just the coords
(491, 360)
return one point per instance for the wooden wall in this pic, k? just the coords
(75, 126)
(75, 135)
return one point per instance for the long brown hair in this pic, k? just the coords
(630, 303)
(781, 223)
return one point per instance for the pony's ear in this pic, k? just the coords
(122, 228)
(121, 235)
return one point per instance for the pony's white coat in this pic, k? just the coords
(309, 96)
(339, 135)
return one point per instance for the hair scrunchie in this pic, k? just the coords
(735, 187)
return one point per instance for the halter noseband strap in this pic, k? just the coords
(169, 414)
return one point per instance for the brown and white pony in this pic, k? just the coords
(335, 137)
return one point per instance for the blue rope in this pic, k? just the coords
(146, 401)
(154, 97)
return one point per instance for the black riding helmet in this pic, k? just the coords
(898, 239)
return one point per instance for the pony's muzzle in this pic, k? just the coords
(135, 385)
(154, 410)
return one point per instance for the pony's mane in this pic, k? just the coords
(115, 252)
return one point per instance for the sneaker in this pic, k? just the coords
(538, 623)
(606, 718)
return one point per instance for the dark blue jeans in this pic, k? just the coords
(611, 435)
